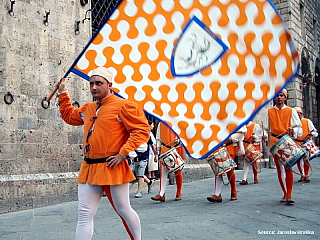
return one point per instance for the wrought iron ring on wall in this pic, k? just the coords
(44, 103)
(8, 98)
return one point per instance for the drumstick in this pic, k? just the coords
(294, 126)
(308, 136)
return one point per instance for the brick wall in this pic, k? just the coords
(39, 154)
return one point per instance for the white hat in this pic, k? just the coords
(298, 109)
(284, 91)
(103, 72)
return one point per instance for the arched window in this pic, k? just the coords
(305, 69)
(317, 73)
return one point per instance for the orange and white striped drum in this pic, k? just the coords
(287, 151)
(311, 149)
(172, 160)
(252, 154)
(221, 162)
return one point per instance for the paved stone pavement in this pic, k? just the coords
(257, 214)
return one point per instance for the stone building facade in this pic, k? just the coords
(303, 20)
(39, 154)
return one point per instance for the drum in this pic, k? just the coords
(172, 160)
(221, 162)
(252, 154)
(311, 149)
(287, 151)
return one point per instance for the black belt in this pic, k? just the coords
(96, 160)
(297, 140)
(277, 136)
(248, 142)
(136, 159)
(227, 144)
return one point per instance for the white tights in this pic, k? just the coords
(302, 167)
(89, 199)
(218, 185)
(246, 166)
(283, 174)
(163, 180)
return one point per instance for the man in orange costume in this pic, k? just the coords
(113, 129)
(168, 139)
(308, 130)
(253, 136)
(233, 149)
(283, 119)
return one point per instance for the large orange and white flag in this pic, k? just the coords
(206, 67)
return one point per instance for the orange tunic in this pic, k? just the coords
(167, 137)
(232, 150)
(120, 127)
(248, 135)
(305, 130)
(279, 120)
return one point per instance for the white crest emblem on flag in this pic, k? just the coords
(197, 48)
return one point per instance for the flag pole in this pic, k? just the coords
(47, 99)
(52, 93)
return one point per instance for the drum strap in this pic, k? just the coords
(277, 136)
(96, 160)
(163, 144)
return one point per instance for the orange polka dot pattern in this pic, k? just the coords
(137, 42)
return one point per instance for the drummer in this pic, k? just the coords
(283, 120)
(168, 139)
(234, 147)
(253, 136)
(308, 130)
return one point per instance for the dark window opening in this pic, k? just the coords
(100, 9)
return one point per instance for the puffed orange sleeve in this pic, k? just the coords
(69, 113)
(136, 124)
